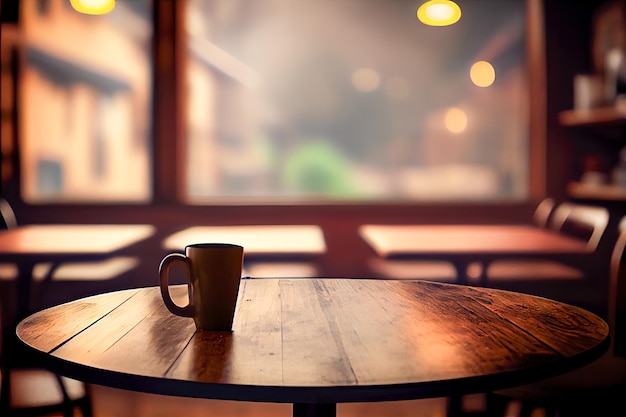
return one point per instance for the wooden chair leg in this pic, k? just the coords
(67, 406)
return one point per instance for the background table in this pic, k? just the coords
(29, 245)
(318, 342)
(270, 250)
(257, 240)
(463, 244)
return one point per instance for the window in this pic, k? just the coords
(280, 101)
(86, 102)
(354, 100)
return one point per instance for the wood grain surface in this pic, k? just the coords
(319, 341)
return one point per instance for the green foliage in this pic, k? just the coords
(316, 167)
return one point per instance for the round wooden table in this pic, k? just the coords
(319, 342)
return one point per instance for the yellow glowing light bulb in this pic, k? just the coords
(482, 74)
(439, 13)
(455, 120)
(93, 6)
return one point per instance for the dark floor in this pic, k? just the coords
(110, 402)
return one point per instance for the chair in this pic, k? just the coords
(543, 211)
(9, 220)
(576, 283)
(596, 389)
(583, 222)
(439, 270)
(509, 269)
(26, 390)
(45, 273)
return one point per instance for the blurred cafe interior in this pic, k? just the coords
(335, 114)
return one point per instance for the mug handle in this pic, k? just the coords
(164, 274)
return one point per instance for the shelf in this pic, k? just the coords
(596, 192)
(602, 116)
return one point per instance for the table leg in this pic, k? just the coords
(314, 410)
(484, 265)
(461, 265)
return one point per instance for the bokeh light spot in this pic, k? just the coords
(482, 74)
(365, 80)
(455, 120)
(93, 7)
(439, 13)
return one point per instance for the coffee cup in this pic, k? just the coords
(213, 276)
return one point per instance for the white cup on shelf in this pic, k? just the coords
(588, 91)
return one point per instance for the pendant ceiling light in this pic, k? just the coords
(93, 6)
(439, 13)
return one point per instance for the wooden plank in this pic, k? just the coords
(601, 192)
(371, 337)
(566, 329)
(49, 328)
(602, 116)
(427, 335)
(252, 352)
(139, 337)
(312, 352)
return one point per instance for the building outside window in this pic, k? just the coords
(86, 102)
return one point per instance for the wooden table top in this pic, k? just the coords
(472, 240)
(57, 241)
(257, 240)
(319, 341)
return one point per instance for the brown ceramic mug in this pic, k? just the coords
(214, 273)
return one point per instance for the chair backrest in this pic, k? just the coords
(9, 220)
(617, 295)
(543, 211)
(585, 222)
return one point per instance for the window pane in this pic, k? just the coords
(354, 100)
(85, 103)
